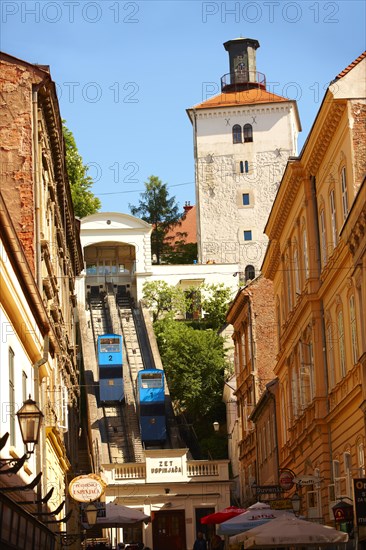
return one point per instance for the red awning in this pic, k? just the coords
(223, 515)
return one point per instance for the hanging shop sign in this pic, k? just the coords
(306, 480)
(281, 504)
(267, 489)
(286, 479)
(86, 488)
(343, 512)
(360, 500)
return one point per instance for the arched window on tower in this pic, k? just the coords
(248, 133)
(249, 272)
(237, 137)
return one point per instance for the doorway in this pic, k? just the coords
(169, 530)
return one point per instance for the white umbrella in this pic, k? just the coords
(289, 530)
(257, 514)
(119, 515)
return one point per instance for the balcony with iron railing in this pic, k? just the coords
(242, 79)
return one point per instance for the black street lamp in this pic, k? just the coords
(296, 503)
(30, 419)
(91, 512)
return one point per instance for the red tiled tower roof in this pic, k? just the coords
(243, 97)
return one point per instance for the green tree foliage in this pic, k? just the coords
(215, 302)
(180, 252)
(163, 300)
(157, 208)
(194, 362)
(84, 201)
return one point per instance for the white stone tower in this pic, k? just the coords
(242, 140)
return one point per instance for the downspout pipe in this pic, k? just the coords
(197, 186)
(318, 258)
(37, 180)
(252, 350)
(36, 185)
(322, 321)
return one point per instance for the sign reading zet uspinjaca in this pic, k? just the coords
(86, 488)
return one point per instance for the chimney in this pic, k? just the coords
(243, 67)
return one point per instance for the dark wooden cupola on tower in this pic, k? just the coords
(243, 73)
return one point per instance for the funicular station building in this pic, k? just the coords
(162, 480)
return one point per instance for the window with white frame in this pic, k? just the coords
(284, 413)
(237, 356)
(243, 348)
(288, 287)
(333, 218)
(361, 458)
(24, 386)
(296, 272)
(264, 442)
(347, 459)
(11, 405)
(259, 443)
(63, 409)
(323, 238)
(306, 374)
(336, 467)
(342, 355)
(269, 437)
(344, 192)
(305, 253)
(331, 366)
(353, 327)
(283, 306)
(278, 322)
(312, 369)
(294, 391)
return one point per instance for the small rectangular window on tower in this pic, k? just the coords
(247, 235)
(246, 199)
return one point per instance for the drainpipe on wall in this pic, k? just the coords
(322, 323)
(36, 184)
(252, 347)
(37, 181)
(197, 191)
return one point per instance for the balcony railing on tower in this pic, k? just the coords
(242, 79)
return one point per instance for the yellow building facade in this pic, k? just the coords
(319, 301)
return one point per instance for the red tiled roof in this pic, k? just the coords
(186, 225)
(351, 65)
(244, 97)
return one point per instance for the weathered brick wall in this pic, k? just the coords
(16, 150)
(358, 110)
(264, 329)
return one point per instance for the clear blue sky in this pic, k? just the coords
(127, 71)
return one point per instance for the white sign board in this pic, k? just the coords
(166, 469)
(86, 488)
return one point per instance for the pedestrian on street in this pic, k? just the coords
(200, 543)
(217, 543)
